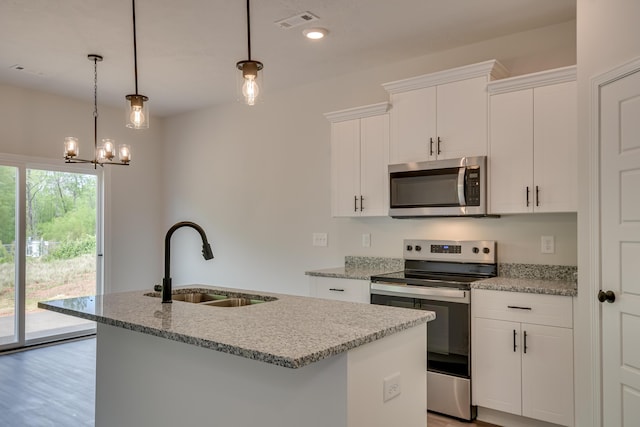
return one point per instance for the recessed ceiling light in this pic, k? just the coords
(315, 33)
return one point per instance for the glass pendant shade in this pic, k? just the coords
(249, 81)
(71, 147)
(124, 153)
(137, 112)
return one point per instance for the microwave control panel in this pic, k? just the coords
(472, 186)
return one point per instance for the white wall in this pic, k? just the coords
(35, 124)
(258, 178)
(608, 35)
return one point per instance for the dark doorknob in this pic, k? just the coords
(607, 296)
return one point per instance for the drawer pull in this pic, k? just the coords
(517, 307)
(336, 289)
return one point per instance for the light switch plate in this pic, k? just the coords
(320, 239)
(366, 240)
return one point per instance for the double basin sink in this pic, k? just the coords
(215, 300)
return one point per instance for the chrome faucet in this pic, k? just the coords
(207, 253)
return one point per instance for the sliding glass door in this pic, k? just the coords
(53, 253)
(8, 259)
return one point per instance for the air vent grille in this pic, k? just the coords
(296, 20)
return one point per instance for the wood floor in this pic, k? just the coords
(54, 386)
(49, 386)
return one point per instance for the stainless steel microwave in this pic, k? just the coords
(452, 187)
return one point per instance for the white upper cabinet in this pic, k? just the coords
(533, 143)
(441, 115)
(359, 159)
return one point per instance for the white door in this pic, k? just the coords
(555, 129)
(374, 158)
(511, 157)
(462, 119)
(345, 165)
(620, 248)
(547, 373)
(413, 125)
(497, 365)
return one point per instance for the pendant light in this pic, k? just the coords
(106, 151)
(137, 110)
(250, 81)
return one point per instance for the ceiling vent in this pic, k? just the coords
(296, 20)
(19, 67)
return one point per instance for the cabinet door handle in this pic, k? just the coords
(336, 289)
(525, 342)
(514, 341)
(527, 196)
(431, 146)
(438, 146)
(537, 196)
(361, 203)
(355, 203)
(517, 307)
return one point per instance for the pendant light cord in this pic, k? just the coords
(135, 47)
(248, 31)
(95, 107)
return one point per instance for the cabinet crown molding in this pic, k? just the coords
(492, 68)
(357, 112)
(528, 81)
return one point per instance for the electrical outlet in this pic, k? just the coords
(319, 239)
(391, 387)
(366, 240)
(547, 245)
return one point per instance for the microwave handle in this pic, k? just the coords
(462, 173)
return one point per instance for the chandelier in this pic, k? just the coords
(105, 153)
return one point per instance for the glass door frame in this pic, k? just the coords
(22, 163)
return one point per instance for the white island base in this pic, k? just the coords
(144, 380)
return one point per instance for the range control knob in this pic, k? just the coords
(486, 250)
(409, 247)
(475, 250)
(418, 248)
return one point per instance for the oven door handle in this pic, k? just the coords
(387, 288)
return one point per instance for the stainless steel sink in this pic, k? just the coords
(233, 302)
(215, 300)
(196, 297)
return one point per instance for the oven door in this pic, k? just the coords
(448, 336)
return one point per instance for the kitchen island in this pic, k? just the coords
(286, 361)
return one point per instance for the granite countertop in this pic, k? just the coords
(512, 277)
(289, 331)
(360, 268)
(533, 286)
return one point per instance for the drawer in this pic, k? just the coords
(352, 290)
(551, 310)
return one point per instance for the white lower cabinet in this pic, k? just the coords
(523, 354)
(352, 290)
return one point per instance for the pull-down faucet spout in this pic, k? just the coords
(207, 253)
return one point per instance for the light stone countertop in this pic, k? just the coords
(534, 286)
(360, 268)
(290, 331)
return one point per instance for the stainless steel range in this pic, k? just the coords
(437, 277)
